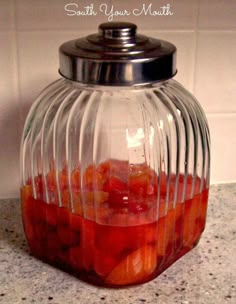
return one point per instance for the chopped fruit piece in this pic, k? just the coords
(137, 205)
(118, 200)
(65, 198)
(136, 267)
(113, 184)
(75, 180)
(104, 170)
(101, 197)
(92, 179)
(63, 179)
(51, 180)
(98, 182)
(88, 176)
(39, 185)
(140, 183)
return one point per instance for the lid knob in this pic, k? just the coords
(117, 30)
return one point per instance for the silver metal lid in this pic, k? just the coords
(117, 55)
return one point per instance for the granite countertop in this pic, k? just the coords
(206, 275)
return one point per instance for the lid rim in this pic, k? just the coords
(100, 61)
(118, 84)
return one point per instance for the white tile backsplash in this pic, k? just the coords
(38, 15)
(217, 14)
(7, 21)
(9, 118)
(184, 13)
(223, 144)
(38, 61)
(203, 31)
(215, 82)
(44, 15)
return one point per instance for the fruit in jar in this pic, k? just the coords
(109, 225)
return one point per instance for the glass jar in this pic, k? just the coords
(115, 161)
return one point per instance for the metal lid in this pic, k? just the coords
(117, 55)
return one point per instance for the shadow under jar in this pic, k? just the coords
(115, 161)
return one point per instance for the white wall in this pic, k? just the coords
(204, 32)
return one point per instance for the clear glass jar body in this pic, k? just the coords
(114, 179)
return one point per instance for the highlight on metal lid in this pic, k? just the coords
(117, 55)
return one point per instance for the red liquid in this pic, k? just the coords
(126, 245)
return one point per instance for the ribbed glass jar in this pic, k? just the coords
(114, 179)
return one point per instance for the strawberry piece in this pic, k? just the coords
(114, 184)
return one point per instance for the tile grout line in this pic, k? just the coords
(195, 55)
(16, 56)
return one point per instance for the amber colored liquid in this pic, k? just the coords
(113, 253)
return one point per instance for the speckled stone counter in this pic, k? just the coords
(205, 275)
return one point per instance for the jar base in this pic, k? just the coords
(92, 278)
